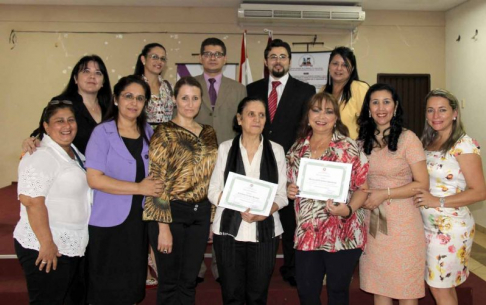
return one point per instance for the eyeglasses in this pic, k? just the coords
(275, 57)
(156, 57)
(56, 102)
(208, 54)
(131, 97)
(337, 64)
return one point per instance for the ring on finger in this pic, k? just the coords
(43, 262)
(420, 200)
(164, 251)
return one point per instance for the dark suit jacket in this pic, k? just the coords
(291, 106)
(221, 119)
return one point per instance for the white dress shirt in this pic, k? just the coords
(51, 173)
(247, 231)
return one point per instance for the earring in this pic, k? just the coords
(334, 126)
(395, 112)
(308, 124)
(454, 119)
(116, 104)
(370, 113)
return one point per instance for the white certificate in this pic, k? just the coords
(324, 180)
(241, 193)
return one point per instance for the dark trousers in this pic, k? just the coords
(287, 218)
(245, 269)
(178, 270)
(311, 266)
(60, 286)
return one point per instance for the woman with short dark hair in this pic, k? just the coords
(246, 244)
(117, 163)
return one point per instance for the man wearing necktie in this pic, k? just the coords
(221, 95)
(286, 98)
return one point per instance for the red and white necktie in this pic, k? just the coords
(272, 100)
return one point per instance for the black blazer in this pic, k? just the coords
(292, 104)
(85, 121)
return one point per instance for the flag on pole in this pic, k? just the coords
(266, 73)
(245, 77)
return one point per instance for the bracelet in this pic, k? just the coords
(442, 202)
(350, 212)
(389, 194)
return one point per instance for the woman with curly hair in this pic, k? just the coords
(456, 181)
(392, 264)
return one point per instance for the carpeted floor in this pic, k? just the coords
(13, 288)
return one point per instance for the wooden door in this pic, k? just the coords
(412, 89)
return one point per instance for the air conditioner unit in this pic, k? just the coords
(343, 17)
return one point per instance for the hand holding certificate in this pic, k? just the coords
(242, 193)
(324, 180)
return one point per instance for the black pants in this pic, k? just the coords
(287, 218)
(245, 269)
(60, 286)
(311, 266)
(178, 270)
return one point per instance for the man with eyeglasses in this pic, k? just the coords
(221, 95)
(285, 98)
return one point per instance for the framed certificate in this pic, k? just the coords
(241, 193)
(324, 180)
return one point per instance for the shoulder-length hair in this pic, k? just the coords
(139, 67)
(104, 95)
(429, 134)
(368, 128)
(112, 113)
(348, 55)
(319, 100)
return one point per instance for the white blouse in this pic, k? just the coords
(247, 231)
(51, 173)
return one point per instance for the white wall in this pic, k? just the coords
(465, 73)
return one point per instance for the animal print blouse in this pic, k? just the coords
(184, 162)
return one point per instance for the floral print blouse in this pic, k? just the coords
(161, 105)
(316, 228)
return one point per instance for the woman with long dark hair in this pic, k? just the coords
(344, 84)
(456, 181)
(89, 90)
(330, 236)
(392, 264)
(150, 65)
(246, 244)
(117, 170)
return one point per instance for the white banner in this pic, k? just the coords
(310, 67)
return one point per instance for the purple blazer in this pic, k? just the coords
(106, 152)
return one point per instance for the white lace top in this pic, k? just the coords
(51, 173)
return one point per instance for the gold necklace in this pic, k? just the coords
(314, 152)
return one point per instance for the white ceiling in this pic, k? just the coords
(415, 5)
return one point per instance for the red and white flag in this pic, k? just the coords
(266, 73)
(245, 73)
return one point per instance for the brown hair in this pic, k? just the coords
(319, 99)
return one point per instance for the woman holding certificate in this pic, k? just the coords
(182, 154)
(246, 243)
(392, 266)
(330, 235)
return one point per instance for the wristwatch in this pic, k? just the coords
(442, 202)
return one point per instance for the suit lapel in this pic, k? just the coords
(205, 93)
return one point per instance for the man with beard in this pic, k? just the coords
(285, 98)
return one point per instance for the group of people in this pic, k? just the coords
(109, 176)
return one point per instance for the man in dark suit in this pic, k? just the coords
(285, 99)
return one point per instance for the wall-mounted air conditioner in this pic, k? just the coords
(347, 17)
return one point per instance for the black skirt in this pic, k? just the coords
(117, 256)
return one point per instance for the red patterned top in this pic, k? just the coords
(316, 228)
